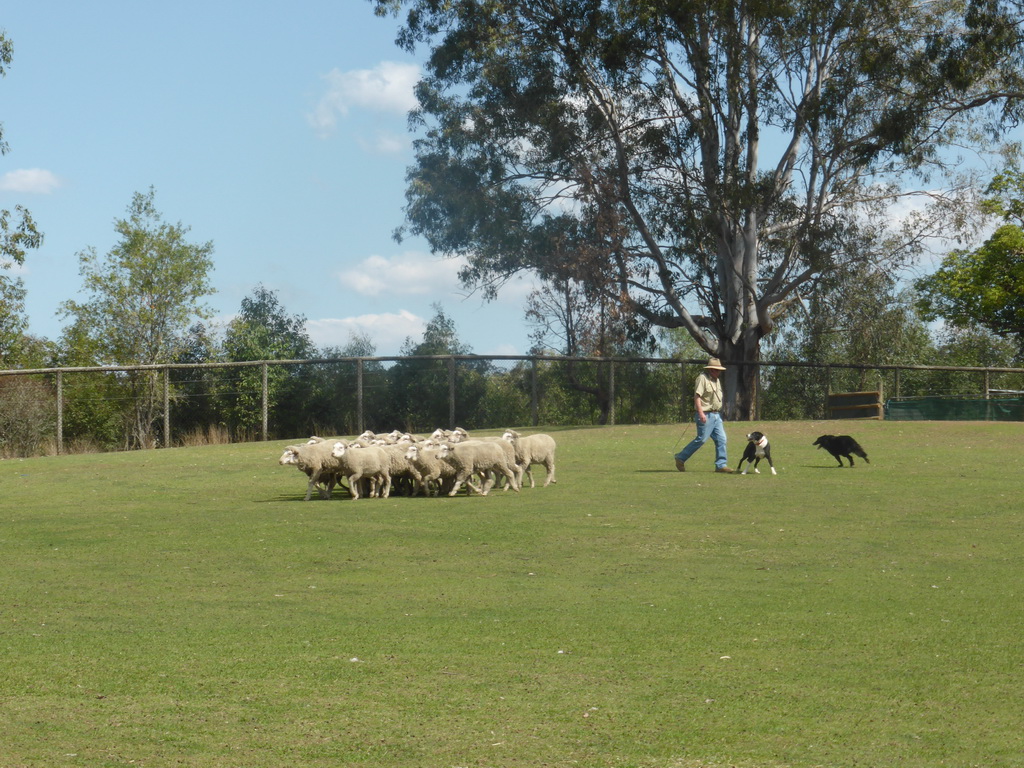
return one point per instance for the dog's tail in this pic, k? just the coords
(860, 452)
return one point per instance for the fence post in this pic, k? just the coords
(451, 392)
(60, 412)
(264, 398)
(359, 396)
(988, 398)
(683, 409)
(611, 392)
(534, 407)
(167, 407)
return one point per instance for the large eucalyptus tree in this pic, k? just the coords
(699, 162)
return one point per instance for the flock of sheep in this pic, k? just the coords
(375, 465)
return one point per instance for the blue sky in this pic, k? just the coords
(277, 130)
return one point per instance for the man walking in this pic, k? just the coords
(707, 400)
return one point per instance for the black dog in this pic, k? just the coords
(841, 445)
(757, 448)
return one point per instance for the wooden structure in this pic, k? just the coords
(855, 405)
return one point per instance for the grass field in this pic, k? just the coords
(185, 607)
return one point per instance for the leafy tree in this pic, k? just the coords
(420, 390)
(570, 317)
(13, 322)
(625, 143)
(975, 347)
(863, 316)
(336, 401)
(141, 298)
(18, 233)
(27, 411)
(264, 330)
(195, 389)
(985, 286)
(94, 411)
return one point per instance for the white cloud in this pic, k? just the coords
(385, 143)
(34, 181)
(408, 274)
(388, 87)
(387, 330)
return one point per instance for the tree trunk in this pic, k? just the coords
(741, 376)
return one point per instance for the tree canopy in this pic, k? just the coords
(263, 330)
(141, 298)
(18, 233)
(700, 164)
(143, 295)
(985, 286)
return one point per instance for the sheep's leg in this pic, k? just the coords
(529, 473)
(418, 486)
(550, 467)
(460, 478)
(518, 472)
(332, 480)
(387, 485)
(353, 485)
(314, 478)
(507, 471)
(432, 484)
(326, 484)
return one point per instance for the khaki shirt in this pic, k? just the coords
(709, 392)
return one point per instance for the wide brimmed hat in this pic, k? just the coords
(715, 364)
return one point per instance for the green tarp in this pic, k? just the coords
(955, 409)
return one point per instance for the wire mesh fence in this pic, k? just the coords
(46, 411)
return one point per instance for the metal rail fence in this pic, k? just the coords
(607, 387)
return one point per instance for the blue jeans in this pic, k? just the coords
(713, 428)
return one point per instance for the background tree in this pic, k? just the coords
(976, 347)
(13, 321)
(419, 388)
(27, 413)
(863, 316)
(141, 298)
(18, 233)
(985, 286)
(196, 414)
(569, 318)
(264, 330)
(336, 400)
(697, 163)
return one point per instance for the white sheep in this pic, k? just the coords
(399, 469)
(484, 458)
(533, 449)
(510, 454)
(456, 435)
(432, 475)
(356, 463)
(317, 461)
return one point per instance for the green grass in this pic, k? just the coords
(185, 607)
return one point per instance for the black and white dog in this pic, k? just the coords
(757, 448)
